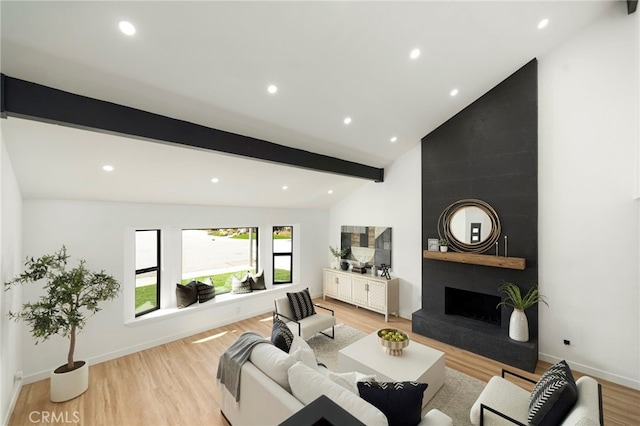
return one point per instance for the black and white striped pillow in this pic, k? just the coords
(205, 292)
(281, 335)
(301, 304)
(553, 397)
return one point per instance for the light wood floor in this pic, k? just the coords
(174, 384)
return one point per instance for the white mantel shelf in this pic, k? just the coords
(477, 259)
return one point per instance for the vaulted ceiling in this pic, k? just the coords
(211, 63)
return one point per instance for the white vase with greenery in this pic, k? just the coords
(518, 323)
(337, 255)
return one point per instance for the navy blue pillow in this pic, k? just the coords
(401, 402)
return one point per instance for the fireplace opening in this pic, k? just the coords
(478, 306)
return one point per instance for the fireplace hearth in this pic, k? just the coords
(470, 304)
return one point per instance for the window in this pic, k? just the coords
(147, 271)
(282, 254)
(218, 254)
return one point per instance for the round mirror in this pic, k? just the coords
(470, 226)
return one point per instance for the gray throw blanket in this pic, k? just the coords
(234, 357)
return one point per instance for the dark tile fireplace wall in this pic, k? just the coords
(487, 151)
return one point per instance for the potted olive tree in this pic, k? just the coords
(70, 297)
(518, 323)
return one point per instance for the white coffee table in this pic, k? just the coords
(418, 363)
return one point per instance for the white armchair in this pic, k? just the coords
(309, 326)
(503, 402)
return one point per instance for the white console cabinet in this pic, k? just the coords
(374, 293)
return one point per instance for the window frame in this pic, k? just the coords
(156, 268)
(281, 254)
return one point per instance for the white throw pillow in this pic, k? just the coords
(299, 342)
(350, 380)
(305, 356)
(273, 362)
(307, 385)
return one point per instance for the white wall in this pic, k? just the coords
(10, 264)
(589, 221)
(588, 217)
(395, 203)
(96, 232)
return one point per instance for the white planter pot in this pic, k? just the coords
(66, 386)
(444, 248)
(519, 326)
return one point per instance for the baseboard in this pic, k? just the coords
(17, 387)
(31, 378)
(595, 372)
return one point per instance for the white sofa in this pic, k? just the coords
(266, 396)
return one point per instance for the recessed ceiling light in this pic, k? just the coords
(543, 23)
(330, 191)
(414, 54)
(394, 139)
(347, 120)
(107, 168)
(215, 180)
(454, 92)
(272, 89)
(284, 188)
(127, 28)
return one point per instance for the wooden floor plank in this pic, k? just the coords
(174, 384)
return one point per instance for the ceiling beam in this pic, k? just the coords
(632, 5)
(24, 99)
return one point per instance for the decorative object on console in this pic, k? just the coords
(338, 254)
(518, 324)
(344, 266)
(187, 294)
(444, 244)
(393, 341)
(70, 297)
(401, 402)
(370, 245)
(358, 269)
(385, 271)
(469, 225)
(432, 244)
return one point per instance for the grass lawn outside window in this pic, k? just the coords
(221, 282)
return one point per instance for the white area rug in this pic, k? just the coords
(454, 398)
